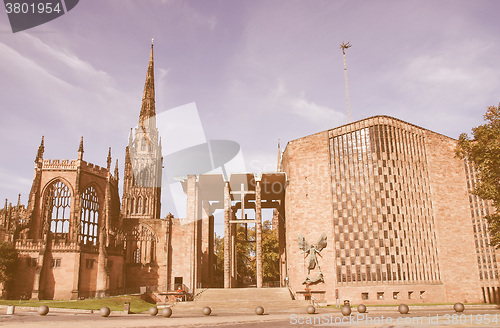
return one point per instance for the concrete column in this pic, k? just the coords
(205, 243)
(192, 223)
(234, 260)
(211, 256)
(227, 233)
(258, 233)
(282, 241)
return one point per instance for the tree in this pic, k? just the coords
(483, 150)
(219, 261)
(8, 261)
(270, 253)
(246, 257)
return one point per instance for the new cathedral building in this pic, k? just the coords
(390, 199)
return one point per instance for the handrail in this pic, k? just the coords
(314, 302)
(198, 293)
(292, 292)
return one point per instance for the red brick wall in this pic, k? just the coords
(455, 238)
(308, 208)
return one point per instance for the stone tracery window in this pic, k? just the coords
(59, 204)
(89, 217)
(141, 245)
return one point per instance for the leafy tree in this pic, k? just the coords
(245, 254)
(246, 257)
(8, 261)
(483, 150)
(270, 253)
(219, 261)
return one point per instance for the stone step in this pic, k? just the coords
(245, 294)
(243, 300)
(242, 307)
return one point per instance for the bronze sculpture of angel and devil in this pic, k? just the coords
(313, 251)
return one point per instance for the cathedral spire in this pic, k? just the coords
(148, 97)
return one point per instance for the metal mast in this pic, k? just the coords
(344, 46)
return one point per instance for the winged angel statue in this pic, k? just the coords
(312, 251)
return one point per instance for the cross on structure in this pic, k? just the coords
(242, 192)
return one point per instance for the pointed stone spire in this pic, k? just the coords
(127, 156)
(116, 169)
(109, 160)
(148, 97)
(80, 149)
(130, 138)
(19, 200)
(41, 149)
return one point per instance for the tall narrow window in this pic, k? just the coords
(89, 217)
(139, 206)
(59, 202)
(137, 255)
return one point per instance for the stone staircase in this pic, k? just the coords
(244, 301)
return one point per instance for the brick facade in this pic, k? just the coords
(393, 201)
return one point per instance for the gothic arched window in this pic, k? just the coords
(59, 203)
(89, 218)
(141, 245)
(139, 205)
(132, 205)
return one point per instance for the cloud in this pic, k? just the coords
(315, 113)
(320, 116)
(63, 89)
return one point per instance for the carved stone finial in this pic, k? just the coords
(41, 149)
(116, 169)
(80, 149)
(109, 159)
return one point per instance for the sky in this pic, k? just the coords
(251, 72)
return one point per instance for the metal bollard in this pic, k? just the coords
(11, 309)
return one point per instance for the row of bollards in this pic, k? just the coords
(402, 308)
(259, 310)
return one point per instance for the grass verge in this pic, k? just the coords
(137, 305)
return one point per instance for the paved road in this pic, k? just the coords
(325, 318)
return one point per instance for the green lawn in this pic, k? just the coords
(114, 303)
